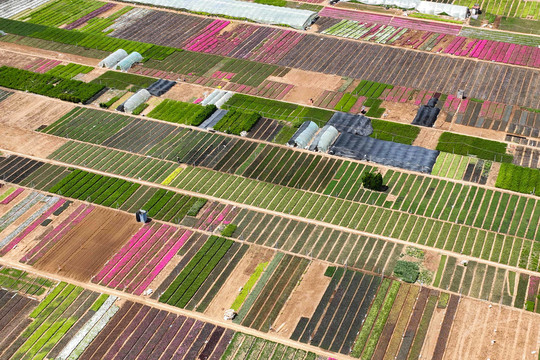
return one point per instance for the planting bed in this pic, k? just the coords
(24, 283)
(525, 156)
(467, 145)
(245, 346)
(460, 167)
(518, 178)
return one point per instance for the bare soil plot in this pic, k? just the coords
(399, 112)
(27, 50)
(15, 59)
(304, 299)
(28, 111)
(516, 333)
(28, 142)
(187, 92)
(427, 138)
(239, 276)
(85, 248)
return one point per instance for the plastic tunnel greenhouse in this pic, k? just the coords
(126, 63)
(324, 139)
(424, 7)
(261, 13)
(113, 59)
(136, 99)
(303, 135)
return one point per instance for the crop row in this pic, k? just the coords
(16, 169)
(121, 81)
(467, 145)
(517, 178)
(44, 84)
(62, 12)
(461, 167)
(22, 282)
(236, 122)
(192, 277)
(69, 71)
(181, 112)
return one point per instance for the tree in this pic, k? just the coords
(373, 181)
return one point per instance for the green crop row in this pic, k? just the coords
(370, 89)
(518, 178)
(196, 271)
(391, 131)
(121, 81)
(468, 145)
(59, 13)
(246, 289)
(346, 102)
(235, 122)
(139, 109)
(69, 71)
(48, 85)
(181, 112)
(278, 110)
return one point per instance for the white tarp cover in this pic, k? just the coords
(433, 8)
(217, 97)
(404, 4)
(136, 99)
(126, 63)
(261, 13)
(113, 59)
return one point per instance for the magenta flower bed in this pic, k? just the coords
(163, 260)
(534, 281)
(12, 196)
(89, 16)
(31, 227)
(54, 236)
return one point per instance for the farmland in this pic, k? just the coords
(254, 249)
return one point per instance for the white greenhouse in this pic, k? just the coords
(126, 63)
(136, 99)
(324, 139)
(433, 8)
(261, 13)
(217, 97)
(113, 59)
(303, 136)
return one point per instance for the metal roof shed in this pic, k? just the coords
(136, 99)
(261, 13)
(113, 59)
(126, 63)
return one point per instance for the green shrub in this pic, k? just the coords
(229, 230)
(373, 181)
(529, 305)
(407, 271)
(468, 145)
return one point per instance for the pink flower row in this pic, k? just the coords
(31, 227)
(56, 234)
(11, 196)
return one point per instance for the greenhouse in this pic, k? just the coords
(324, 139)
(113, 59)
(160, 87)
(261, 13)
(135, 100)
(302, 137)
(385, 152)
(403, 4)
(433, 8)
(354, 124)
(126, 63)
(217, 97)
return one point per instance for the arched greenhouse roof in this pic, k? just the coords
(136, 99)
(261, 13)
(113, 59)
(303, 135)
(324, 139)
(126, 63)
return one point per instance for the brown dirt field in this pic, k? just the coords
(28, 142)
(93, 74)
(304, 299)
(108, 95)
(516, 333)
(31, 51)
(37, 234)
(310, 79)
(83, 251)
(186, 92)
(22, 218)
(493, 173)
(14, 59)
(474, 131)
(433, 333)
(427, 138)
(239, 276)
(152, 103)
(28, 111)
(302, 94)
(399, 112)
(431, 260)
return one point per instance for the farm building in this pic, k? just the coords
(350, 123)
(160, 87)
(324, 139)
(126, 63)
(113, 59)
(384, 152)
(135, 100)
(261, 13)
(302, 137)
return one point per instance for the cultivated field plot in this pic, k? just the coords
(60, 325)
(384, 318)
(385, 64)
(23, 283)
(460, 167)
(525, 123)
(429, 36)
(520, 8)
(15, 169)
(525, 156)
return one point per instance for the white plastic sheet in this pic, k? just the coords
(126, 63)
(136, 99)
(433, 8)
(261, 13)
(113, 59)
